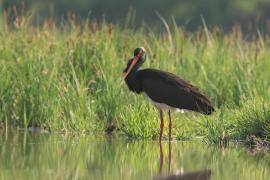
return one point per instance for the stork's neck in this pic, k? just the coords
(134, 70)
(133, 80)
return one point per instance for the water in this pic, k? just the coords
(56, 156)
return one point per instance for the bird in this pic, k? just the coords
(166, 91)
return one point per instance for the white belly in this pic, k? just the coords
(162, 106)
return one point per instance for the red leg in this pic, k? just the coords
(161, 125)
(170, 126)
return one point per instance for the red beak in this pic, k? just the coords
(134, 61)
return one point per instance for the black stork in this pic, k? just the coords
(165, 90)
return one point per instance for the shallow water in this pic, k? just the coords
(56, 156)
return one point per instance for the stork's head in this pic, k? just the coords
(136, 61)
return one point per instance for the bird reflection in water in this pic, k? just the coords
(196, 175)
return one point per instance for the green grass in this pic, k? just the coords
(69, 78)
(250, 120)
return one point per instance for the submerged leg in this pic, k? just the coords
(161, 125)
(170, 156)
(170, 126)
(160, 158)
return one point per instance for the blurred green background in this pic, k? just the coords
(251, 14)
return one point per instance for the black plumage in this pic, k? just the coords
(167, 88)
(164, 87)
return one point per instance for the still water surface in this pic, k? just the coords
(55, 156)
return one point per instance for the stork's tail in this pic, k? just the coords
(204, 106)
(208, 110)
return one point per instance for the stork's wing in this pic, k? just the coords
(164, 87)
